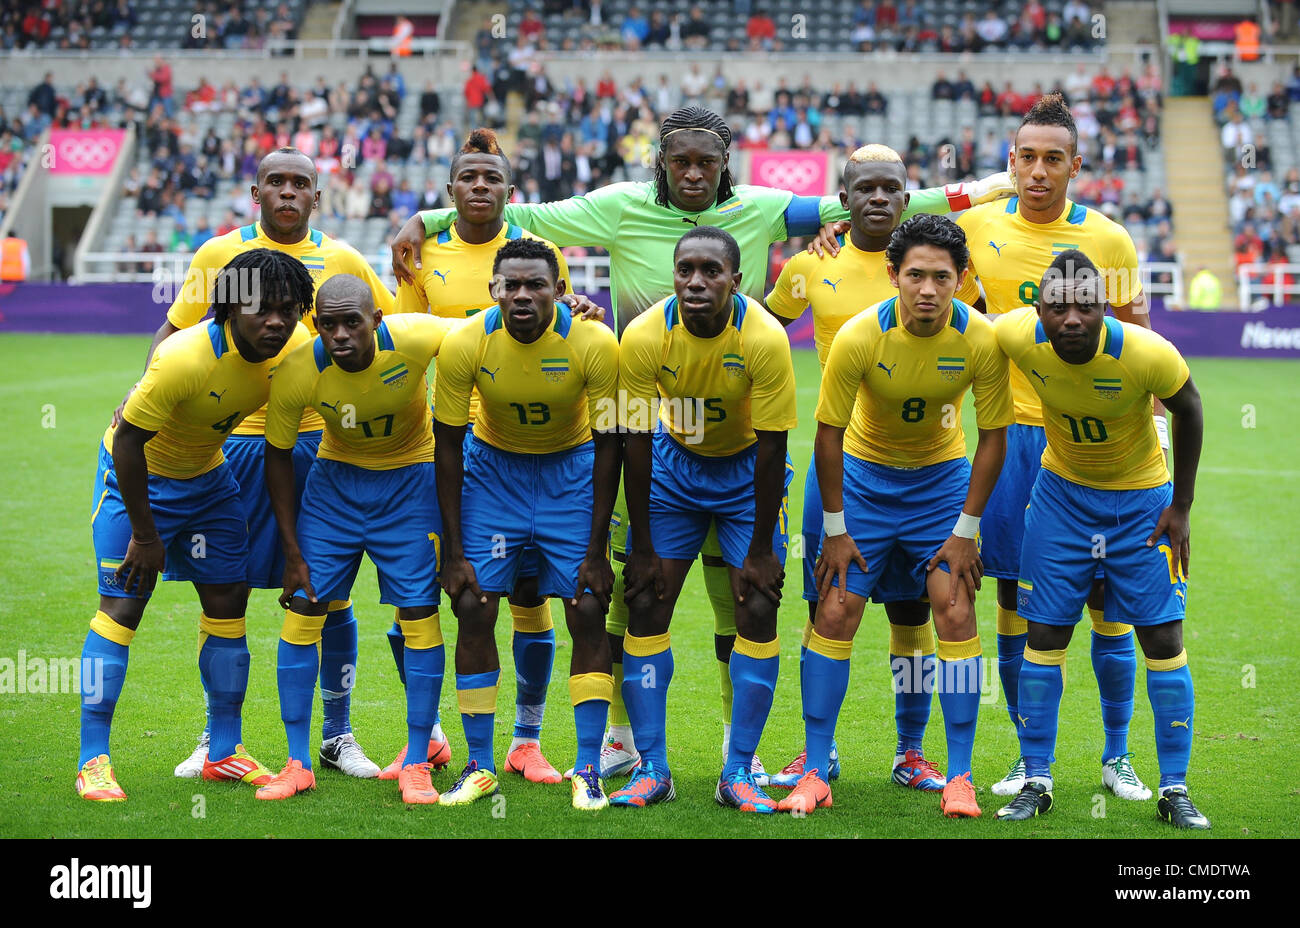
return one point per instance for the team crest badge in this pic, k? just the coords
(733, 365)
(555, 368)
(395, 377)
(1107, 388)
(951, 369)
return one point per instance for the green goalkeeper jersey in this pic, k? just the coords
(640, 235)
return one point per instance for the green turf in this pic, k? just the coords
(1244, 661)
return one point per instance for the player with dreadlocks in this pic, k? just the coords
(639, 224)
(162, 482)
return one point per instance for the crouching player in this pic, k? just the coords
(719, 368)
(165, 498)
(899, 497)
(1104, 492)
(371, 491)
(539, 471)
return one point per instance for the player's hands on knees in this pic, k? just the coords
(838, 552)
(296, 577)
(1176, 522)
(642, 573)
(457, 577)
(406, 249)
(143, 563)
(117, 413)
(582, 306)
(762, 573)
(962, 556)
(825, 242)
(595, 574)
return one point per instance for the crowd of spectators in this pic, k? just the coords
(67, 23)
(229, 25)
(876, 25)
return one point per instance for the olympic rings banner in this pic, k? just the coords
(801, 172)
(85, 151)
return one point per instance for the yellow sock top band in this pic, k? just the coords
(301, 629)
(959, 650)
(645, 647)
(532, 619)
(1109, 629)
(584, 687)
(1048, 658)
(224, 628)
(911, 640)
(1168, 663)
(104, 626)
(338, 605)
(828, 647)
(421, 634)
(1010, 622)
(481, 701)
(758, 650)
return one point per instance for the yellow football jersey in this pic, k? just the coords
(197, 389)
(899, 396)
(1009, 254)
(534, 399)
(454, 281)
(712, 392)
(321, 255)
(809, 280)
(377, 418)
(1097, 415)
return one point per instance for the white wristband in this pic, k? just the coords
(967, 526)
(1162, 432)
(833, 523)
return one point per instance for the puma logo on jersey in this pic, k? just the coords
(492, 374)
(218, 395)
(694, 222)
(827, 280)
(438, 273)
(887, 370)
(671, 370)
(1024, 722)
(333, 406)
(1182, 724)
(997, 248)
(1041, 377)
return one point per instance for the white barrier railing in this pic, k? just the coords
(1261, 285)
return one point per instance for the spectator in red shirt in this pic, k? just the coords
(761, 30)
(886, 15)
(477, 92)
(1009, 102)
(531, 28)
(1103, 85)
(605, 87)
(1033, 11)
(161, 75)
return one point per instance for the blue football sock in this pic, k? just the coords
(424, 672)
(103, 671)
(534, 655)
(477, 695)
(338, 669)
(223, 667)
(825, 681)
(1114, 661)
(1173, 703)
(398, 645)
(912, 667)
(1042, 680)
(1011, 655)
(959, 696)
(296, 668)
(590, 694)
(645, 692)
(754, 670)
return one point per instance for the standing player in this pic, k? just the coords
(719, 370)
(1104, 482)
(455, 283)
(901, 494)
(371, 492)
(1011, 245)
(546, 385)
(639, 225)
(837, 287)
(286, 190)
(164, 495)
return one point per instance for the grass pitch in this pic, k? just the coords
(56, 393)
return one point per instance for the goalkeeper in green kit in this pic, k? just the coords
(639, 224)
